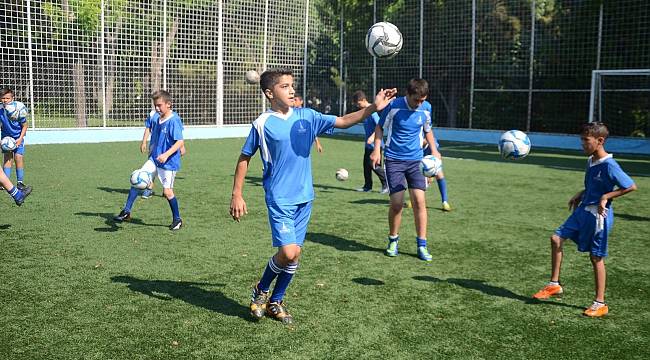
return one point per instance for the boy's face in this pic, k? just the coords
(297, 101)
(162, 107)
(282, 93)
(591, 144)
(414, 100)
(361, 103)
(7, 98)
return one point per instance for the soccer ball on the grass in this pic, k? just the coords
(383, 40)
(141, 179)
(430, 166)
(342, 174)
(15, 110)
(252, 77)
(514, 145)
(8, 143)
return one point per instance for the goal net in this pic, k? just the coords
(621, 99)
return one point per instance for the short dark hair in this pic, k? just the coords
(6, 91)
(271, 77)
(162, 94)
(358, 96)
(419, 87)
(595, 129)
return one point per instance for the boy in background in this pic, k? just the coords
(361, 100)
(14, 125)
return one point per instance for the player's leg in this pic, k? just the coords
(17, 194)
(568, 230)
(150, 167)
(7, 163)
(395, 178)
(166, 178)
(598, 242)
(417, 185)
(442, 187)
(381, 174)
(125, 213)
(367, 171)
(20, 166)
(598, 307)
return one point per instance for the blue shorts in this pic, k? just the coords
(401, 174)
(582, 228)
(289, 223)
(20, 150)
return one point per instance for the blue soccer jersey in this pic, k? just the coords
(369, 125)
(163, 136)
(601, 178)
(405, 128)
(285, 143)
(11, 127)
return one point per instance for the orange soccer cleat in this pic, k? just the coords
(548, 291)
(597, 309)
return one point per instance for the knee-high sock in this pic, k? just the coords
(281, 285)
(133, 194)
(20, 174)
(270, 273)
(173, 204)
(442, 186)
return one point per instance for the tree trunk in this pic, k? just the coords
(79, 93)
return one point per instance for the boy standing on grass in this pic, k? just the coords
(408, 123)
(360, 99)
(164, 158)
(593, 215)
(13, 125)
(284, 136)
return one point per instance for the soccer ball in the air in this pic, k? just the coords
(15, 110)
(8, 143)
(252, 77)
(140, 179)
(430, 165)
(383, 40)
(514, 144)
(342, 174)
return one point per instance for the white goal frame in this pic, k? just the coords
(595, 103)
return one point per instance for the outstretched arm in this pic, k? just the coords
(375, 156)
(382, 99)
(237, 203)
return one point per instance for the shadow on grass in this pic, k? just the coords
(112, 224)
(5, 227)
(340, 243)
(189, 292)
(371, 201)
(257, 181)
(113, 190)
(367, 281)
(631, 217)
(481, 286)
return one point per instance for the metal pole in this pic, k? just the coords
(374, 60)
(532, 60)
(341, 62)
(164, 45)
(103, 62)
(30, 60)
(592, 96)
(304, 59)
(266, 34)
(421, 35)
(471, 89)
(600, 36)
(220, 66)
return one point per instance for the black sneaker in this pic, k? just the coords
(123, 216)
(24, 194)
(176, 224)
(20, 185)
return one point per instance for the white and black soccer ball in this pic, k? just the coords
(514, 145)
(430, 166)
(141, 179)
(8, 143)
(342, 175)
(252, 77)
(15, 110)
(384, 40)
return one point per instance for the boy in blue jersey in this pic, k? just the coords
(164, 157)
(408, 122)
(284, 136)
(592, 218)
(15, 126)
(360, 99)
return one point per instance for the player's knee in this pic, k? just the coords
(596, 259)
(556, 241)
(288, 254)
(169, 193)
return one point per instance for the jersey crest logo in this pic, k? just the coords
(301, 128)
(597, 177)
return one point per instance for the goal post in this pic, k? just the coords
(621, 98)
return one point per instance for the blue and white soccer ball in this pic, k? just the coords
(384, 40)
(514, 145)
(430, 166)
(15, 110)
(141, 179)
(8, 143)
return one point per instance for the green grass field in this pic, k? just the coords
(75, 285)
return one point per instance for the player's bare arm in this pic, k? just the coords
(237, 203)
(382, 99)
(375, 156)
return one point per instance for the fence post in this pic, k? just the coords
(103, 61)
(305, 54)
(471, 86)
(421, 36)
(600, 36)
(31, 66)
(531, 63)
(266, 34)
(374, 59)
(164, 54)
(341, 62)
(220, 66)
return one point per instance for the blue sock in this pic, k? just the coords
(421, 242)
(173, 204)
(133, 194)
(7, 171)
(281, 285)
(20, 174)
(442, 186)
(270, 272)
(14, 192)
